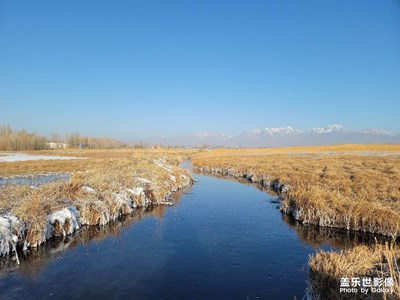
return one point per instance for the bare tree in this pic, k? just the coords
(55, 138)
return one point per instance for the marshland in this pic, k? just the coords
(330, 212)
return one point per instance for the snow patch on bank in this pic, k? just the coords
(161, 162)
(143, 180)
(139, 197)
(88, 189)
(65, 221)
(11, 231)
(26, 157)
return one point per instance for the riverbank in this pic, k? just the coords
(104, 187)
(33, 260)
(353, 190)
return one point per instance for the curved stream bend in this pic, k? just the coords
(221, 240)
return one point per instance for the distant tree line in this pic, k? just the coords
(75, 140)
(20, 140)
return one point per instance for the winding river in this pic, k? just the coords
(221, 240)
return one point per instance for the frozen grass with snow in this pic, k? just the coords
(99, 190)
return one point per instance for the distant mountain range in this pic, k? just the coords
(282, 137)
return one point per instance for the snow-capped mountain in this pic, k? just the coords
(330, 128)
(375, 131)
(279, 131)
(286, 136)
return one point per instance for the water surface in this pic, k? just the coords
(35, 180)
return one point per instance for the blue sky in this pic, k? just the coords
(135, 69)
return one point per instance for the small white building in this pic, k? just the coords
(53, 145)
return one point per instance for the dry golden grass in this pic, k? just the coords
(350, 191)
(345, 148)
(360, 261)
(350, 263)
(95, 158)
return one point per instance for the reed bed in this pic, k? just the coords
(379, 261)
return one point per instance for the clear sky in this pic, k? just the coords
(135, 69)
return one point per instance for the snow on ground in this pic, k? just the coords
(11, 229)
(69, 213)
(142, 180)
(160, 162)
(88, 189)
(26, 157)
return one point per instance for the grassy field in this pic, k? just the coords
(93, 159)
(354, 187)
(103, 186)
(348, 190)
